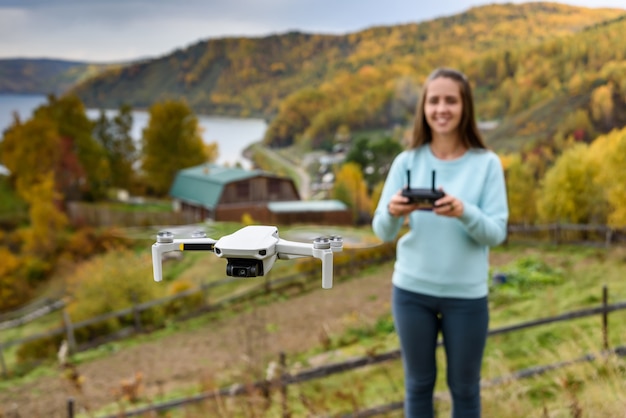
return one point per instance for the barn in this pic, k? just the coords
(219, 193)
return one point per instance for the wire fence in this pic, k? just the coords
(302, 281)
(555, 233)
(285, 379)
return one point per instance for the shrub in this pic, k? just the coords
(187, 304)
(111, 282)
(522, 277)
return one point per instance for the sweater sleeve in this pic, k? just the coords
(486, 222)
(385, 226)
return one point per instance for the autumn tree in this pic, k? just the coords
(14, 290)
(47, 222)
(171, 141)
(30, 150)
(569, 192)
(83, 170)
(602, 106)
(521, 190)
(351, 189)
(294, 117)
(609, 154)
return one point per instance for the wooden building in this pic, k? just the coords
(220, 193)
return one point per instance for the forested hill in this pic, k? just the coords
(251, 76)
(43, 76)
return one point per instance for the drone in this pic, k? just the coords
(250, 251)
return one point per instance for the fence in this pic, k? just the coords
(559, 233)
(302, 281)
(85, 214)
(284, 379)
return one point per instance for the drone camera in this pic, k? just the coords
(244, 267)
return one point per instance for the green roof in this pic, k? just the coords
(203, 185)
(306, 206)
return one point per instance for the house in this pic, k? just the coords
(210, 191)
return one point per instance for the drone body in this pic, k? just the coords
(250, 251)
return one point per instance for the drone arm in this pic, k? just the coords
(288, 249)
(160, 247)
(327, 266)
(157, 260)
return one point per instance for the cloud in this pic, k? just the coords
(108, 30)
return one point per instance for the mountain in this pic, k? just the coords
(533, 65)
(45, 76)
(251, 76)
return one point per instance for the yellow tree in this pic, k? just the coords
(14, 290)
(569, 192)
(47, 222)
(521, 190)
(211, 151)
(351, 189)
(602, 105)
(609, 153)
(29, 151)
(171, 141)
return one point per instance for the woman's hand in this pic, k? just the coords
(399, 205)
(449, 206)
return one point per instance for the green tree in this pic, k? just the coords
(374, 157)
(171, 141)
(115, 137)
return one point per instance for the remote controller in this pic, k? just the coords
(425, 197)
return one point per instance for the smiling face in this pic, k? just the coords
(443, 107)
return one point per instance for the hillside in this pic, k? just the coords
(43, 76)
(251, 76)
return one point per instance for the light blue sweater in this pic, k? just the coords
(441, 256)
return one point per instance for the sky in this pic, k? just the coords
(121, 30)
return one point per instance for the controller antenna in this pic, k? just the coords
(408, 179)
(433, 178)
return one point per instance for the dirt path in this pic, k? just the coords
(217, 350)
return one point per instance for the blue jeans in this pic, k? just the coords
(464, 324)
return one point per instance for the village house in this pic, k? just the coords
(219, 193)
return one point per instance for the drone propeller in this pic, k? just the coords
(351, 238)
(199, 230)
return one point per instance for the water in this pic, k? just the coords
(231, 134)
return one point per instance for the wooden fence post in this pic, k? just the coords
(70, 407)
(605, 317)
(204, 288)
(69, 331)
(5, 373)
(608, 237)
(283, 387)
(136, 312)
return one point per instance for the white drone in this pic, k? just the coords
(250, 251)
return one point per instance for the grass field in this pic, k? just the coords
(542, 281)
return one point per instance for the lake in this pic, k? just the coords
(232, 135)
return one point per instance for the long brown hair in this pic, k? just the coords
(470, 135)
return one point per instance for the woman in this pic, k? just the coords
(441, 269)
